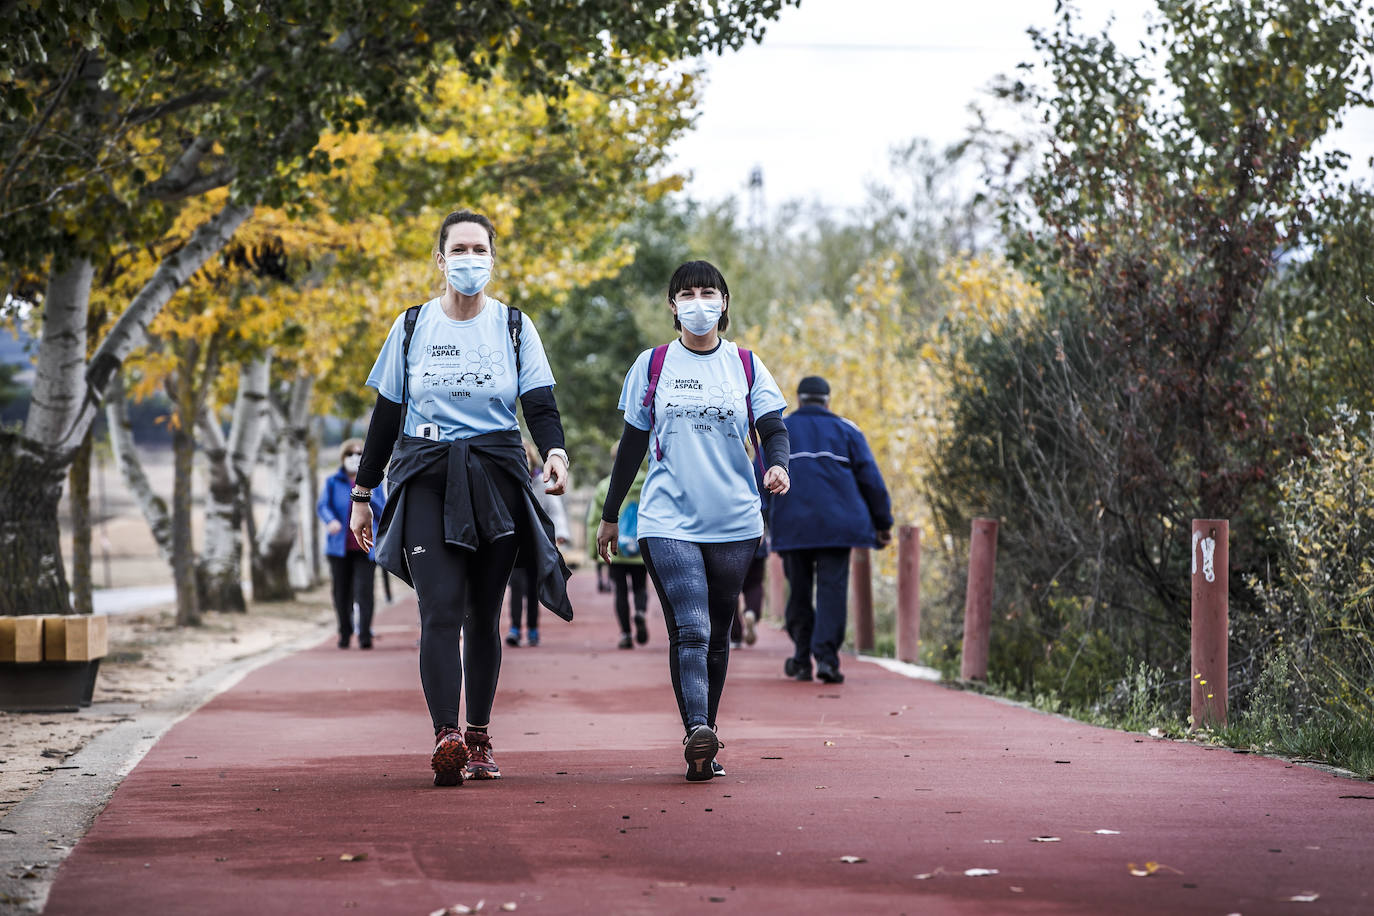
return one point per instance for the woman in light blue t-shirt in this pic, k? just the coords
(689, 404)
(460, 512)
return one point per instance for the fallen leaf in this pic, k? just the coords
(1107, 832)
(1044, 839)
(994, 841)
(830, 744)
(1149, 868)
(1016, 890)
(1304, 897)
(852, 860)
(979, 872)
(353, 857)
(509, 907)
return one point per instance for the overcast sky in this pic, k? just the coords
(836, 83)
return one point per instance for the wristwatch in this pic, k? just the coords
(567, 462)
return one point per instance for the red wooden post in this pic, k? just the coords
(909, 593)
(861, 590)
(982, 562)
(774, 582)
(1211, 594)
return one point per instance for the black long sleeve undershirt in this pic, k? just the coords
(634, 445)
(541, 416)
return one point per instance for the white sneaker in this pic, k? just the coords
(750, 635)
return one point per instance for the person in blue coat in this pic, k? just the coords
(350, 564)
(837, 501)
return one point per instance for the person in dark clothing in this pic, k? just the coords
(698, 521)
(838, 501)
(350, 564)
(461, 510)
(524, 591)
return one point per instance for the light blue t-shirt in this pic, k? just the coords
(462, 373)
(703, 489)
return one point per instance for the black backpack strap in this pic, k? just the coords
(514, 324)
(412, 315)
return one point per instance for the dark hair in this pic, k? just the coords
(699, 275)
(465, 216)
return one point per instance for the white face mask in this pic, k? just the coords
(468, 273)
(350, 464)
(699, 315)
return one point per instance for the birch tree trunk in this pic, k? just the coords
(230, 463)
(154, 507)
(66, 397)
(32, 470)
(271, 553)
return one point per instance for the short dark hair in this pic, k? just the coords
(465, 216)
(699, 275)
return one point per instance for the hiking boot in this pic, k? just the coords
(641, 629)
(829, 672)
(699, 749)
(751, 635)
(449, 758)
(798, 671)
(481, 764)
(625, 642)
(513, 639)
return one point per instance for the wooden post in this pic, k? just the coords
(774, 580)
(909, 593)
(1211, 594)
(982, 563)
(861, 590)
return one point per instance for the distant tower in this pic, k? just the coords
(756, 214)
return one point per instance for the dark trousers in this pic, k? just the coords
(752, 593)
(817, 609)
(459, 592)
(698, 589)
(625, 576)
(351, 576)
(524, 590)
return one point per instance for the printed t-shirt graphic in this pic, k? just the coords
(462, 373)
(703, 489)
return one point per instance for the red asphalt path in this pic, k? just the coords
(248, 805)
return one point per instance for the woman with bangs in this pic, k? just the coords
(691, 405)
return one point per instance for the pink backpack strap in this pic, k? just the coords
(655, 370)
(747, 359)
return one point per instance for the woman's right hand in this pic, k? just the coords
(607, 540)
(360, 523)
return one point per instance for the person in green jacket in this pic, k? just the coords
(626, 567)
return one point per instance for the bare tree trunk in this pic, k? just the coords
(313, 542)
(32, 579)
(226, 503)
(183, 551)
(271, 571)
(79, 498)
(154, 507)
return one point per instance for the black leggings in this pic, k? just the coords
(449, 580)
(524, 592)
(625, 575)
(352, 582)
(698, 586)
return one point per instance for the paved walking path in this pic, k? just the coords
(306, 789)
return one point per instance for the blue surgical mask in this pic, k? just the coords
(699, 315)
(468, 273)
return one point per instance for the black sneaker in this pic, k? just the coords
(798, 671)
(829, 673)
(641, 630)
(513, 639)
(699, 749)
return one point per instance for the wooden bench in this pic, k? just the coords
(49, 662)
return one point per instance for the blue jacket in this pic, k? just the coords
(334, 505)
(838, 498)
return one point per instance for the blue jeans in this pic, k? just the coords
(817, 629)
(698, 586)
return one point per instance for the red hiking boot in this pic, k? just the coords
(481, 764)
(449, 758)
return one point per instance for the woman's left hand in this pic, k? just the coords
(555, 475)
(776, 480)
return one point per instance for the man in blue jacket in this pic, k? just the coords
(838, 501)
